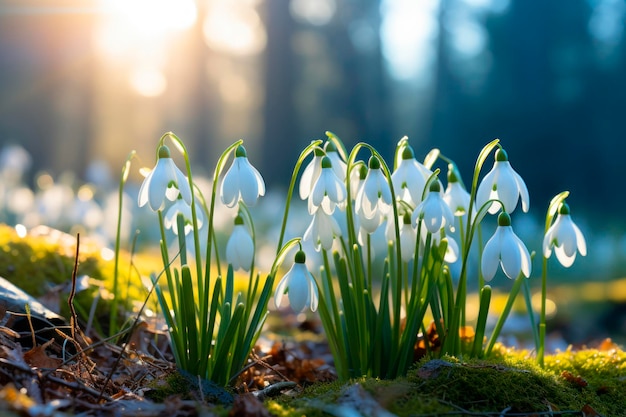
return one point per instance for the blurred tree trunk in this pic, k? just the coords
(356, 47)
(279, 132)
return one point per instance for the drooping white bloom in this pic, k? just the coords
(170, 219)
(322, 230)
(310, 174)
(408, 239)
(565, 237)
(339, 166)
(242, 181)
(506, 249)
(328, 190)
(164, 181)
(452, 250)
(300, 286)
(456, 196)
(504, 184)
(409, 178)
(434, 211)
(357, 178)
(373, 200)
(240, 247)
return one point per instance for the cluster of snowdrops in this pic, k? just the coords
(372, 315)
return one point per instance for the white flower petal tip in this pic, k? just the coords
(434, 211)
(565, 238)
(373, 200)
(164, 181)
(240, 247)
(409, 178)
(328, 191)
(504, 184)
(507, 250)
(322, 230)
(170, 220)
(299, 285)
(242, 181)
(456, 196)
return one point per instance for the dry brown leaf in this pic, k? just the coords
(589, 412)
(247, 405)
(38, 358)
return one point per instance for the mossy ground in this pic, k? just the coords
(511, 381)
(37, 263)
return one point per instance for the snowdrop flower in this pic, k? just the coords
(322, 230)
(456, 196)
(300, 286)
(240, 247)
(506, 249)
(310, 174)
(242, 181)
(565, 237)
(170, 219)
(408, 236)
(409, 178)
(339, 166)
(357, 178)
(374, 198)
(328, 190)
(433, 210)
(164, 181)
(452, 250)
(504, 184)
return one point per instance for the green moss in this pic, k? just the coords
(37, 263)
(174, 384)
(510, 380)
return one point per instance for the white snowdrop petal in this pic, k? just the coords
(507, 189)
(548, 242)
(523, 191)
(282, 287)
(144, 191)
(157, 190)
(248, 184)
(564, 259)
(298, 291)
(580, 241)
(483, 194)
(229, 190)
(309, 176)
(313, 292)
(525, 257)
(491, 257)
(183, 185)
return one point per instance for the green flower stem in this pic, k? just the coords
(505, 313)
(194, 218)
(481, 322)
(531, 313)
(452, 341)
(113, 320)
(292, 184)
(552, 210)
(396, 278)
(332, 320)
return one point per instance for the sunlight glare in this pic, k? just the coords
(152, 17)
(234, 28)
(408, 34)
(132, 26)
(148, 82)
